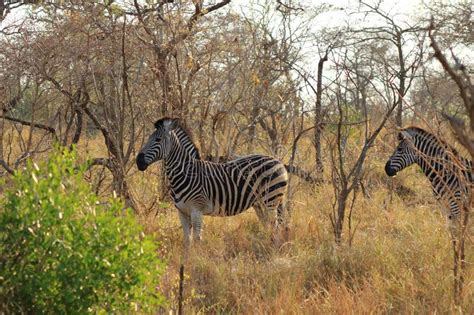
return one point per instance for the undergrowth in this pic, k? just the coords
(400, 260)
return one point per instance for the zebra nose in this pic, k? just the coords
(141, 164)
(389, 169)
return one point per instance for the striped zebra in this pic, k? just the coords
(450, 174)
(217, 189)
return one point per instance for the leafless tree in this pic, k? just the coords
(464, 133)
(163, 33)
(25, 131)
(367, 117)
(405, 39)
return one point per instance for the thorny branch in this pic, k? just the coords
(466, 91)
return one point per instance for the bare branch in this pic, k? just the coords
(285, 8)
(100, 162)
(464, 85)
(7, 167)
(32, 124)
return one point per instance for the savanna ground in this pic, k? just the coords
(399, 260)
(96, 74)
(397, 257)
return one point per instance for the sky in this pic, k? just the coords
(397, 6)
(400, 7)
(401, 10)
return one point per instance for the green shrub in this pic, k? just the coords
(61, 251)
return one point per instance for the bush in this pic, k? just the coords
(64, 252)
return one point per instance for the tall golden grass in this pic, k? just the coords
(400, 260)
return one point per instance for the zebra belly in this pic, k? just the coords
(217, 210)
(208, 208)
(185, 207)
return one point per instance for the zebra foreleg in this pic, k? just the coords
(186, 224)
(196, 222)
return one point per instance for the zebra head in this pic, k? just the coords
(404, 155)
(158, 144)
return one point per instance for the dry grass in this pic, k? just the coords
(400, 260)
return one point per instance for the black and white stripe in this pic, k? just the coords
(450, 174)
(217, 189)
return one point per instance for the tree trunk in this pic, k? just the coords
(253, 126)
(402, 78)
(2, 9)
(341, 209)
(164, 79)
(459, 254)
(121, 186)
(318, 116)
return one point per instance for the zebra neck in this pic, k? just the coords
(178, 157)
(467, 171)
(429, 156)
(437, 162)
(430, 167)
(186, 143)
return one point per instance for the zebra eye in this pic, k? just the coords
(159, 139)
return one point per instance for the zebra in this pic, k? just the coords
(450, 174)
(216, 189)
(451, 178)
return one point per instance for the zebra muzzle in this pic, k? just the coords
(390, 170)
(141, 164)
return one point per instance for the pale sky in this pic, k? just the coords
(399, 7)
(401, 10)
(329, 19)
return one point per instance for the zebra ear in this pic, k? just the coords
(405, 135)
(170, 124)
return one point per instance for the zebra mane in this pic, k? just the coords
(179, 124)
(413, 130)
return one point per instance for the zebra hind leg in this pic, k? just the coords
(282, 227)
(262, 214)
(280, 233)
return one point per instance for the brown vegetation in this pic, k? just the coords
(327, 101)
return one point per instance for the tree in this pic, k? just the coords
(464, 133)
(164, 32)
(353, 115)
(404, 38)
